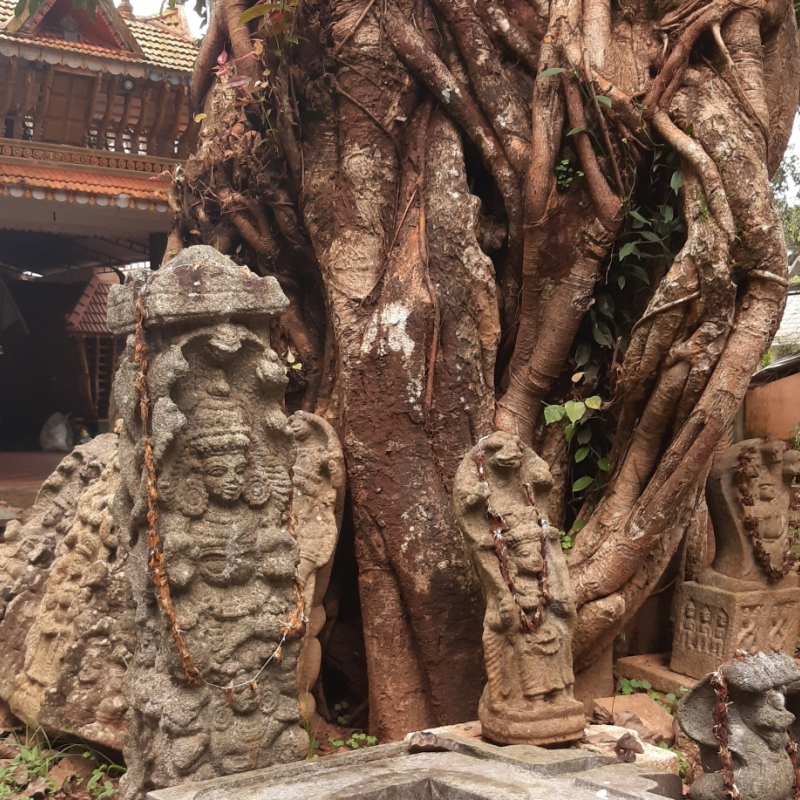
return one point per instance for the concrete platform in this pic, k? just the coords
(452, 768)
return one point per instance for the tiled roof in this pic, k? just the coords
(91, 185)
(89, 314)
(163, 46)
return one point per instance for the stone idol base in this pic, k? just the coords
(430, 766)
(715, 623)
(654, 668)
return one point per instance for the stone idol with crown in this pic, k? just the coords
(205, 454)
(748, 599)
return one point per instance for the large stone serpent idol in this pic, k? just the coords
(205, 455)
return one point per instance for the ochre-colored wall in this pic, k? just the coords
(773, 409)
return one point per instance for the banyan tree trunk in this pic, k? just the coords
(481, 208)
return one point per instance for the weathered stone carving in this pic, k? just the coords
(212, 685)
(747, 698)
(77, 649)
(318, 479)
(748, 598)
(500, 495)
(28, 551)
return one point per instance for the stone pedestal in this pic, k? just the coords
(715, 623)
(748, 599)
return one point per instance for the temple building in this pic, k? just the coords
(95, 121)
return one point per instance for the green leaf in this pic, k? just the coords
(650, 236)
(260, 10)
(667, 213)
(627, 249)
(602, 335)
(636, 215)
(582, 483)
(676, 181)
(581, 454)
(640, 274)
(603, 464)
(605, 304)
(670, 696)
(621, 281)
(553, 414)
(584, 434)
(579, 524)
(577, 377)
(595, 402)
(548, 72)
(575, 130)
(569, 432)
(601, 98)
(575, 410)
(582, 353)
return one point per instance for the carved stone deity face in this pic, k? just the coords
(504, 453)
(224, 476)
(705, 616)
(690, 610)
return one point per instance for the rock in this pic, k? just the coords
(28, 551)
(747, 698)
(748, 599)
(458, 770)
(212, 685)
(78, 646)
(500, 496)
(613, 740)
(657, 723)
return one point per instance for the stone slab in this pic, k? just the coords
(389, 772)
(654, 667)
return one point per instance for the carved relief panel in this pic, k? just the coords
(206, 453)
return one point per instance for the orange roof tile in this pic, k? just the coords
(92, 181)
(163, 46)
(89, 314)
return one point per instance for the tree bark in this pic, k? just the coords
(443, 190)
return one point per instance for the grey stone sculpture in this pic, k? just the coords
(500, 496)
(747, 745)
(748, 598)
(78, 645)
(318, 480)
(28, 552)
(205, 454)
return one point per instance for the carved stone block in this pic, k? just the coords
(715, 623)
(500, 496)
(205, 454)
(748, 598)
(28, 553)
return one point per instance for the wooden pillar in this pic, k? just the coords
(142, 121)
(161, 107)
(166, 145)
(10, 80)
(111, 100)
(44, 102)
(123, 123)
(98, 80)
(25, 103)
